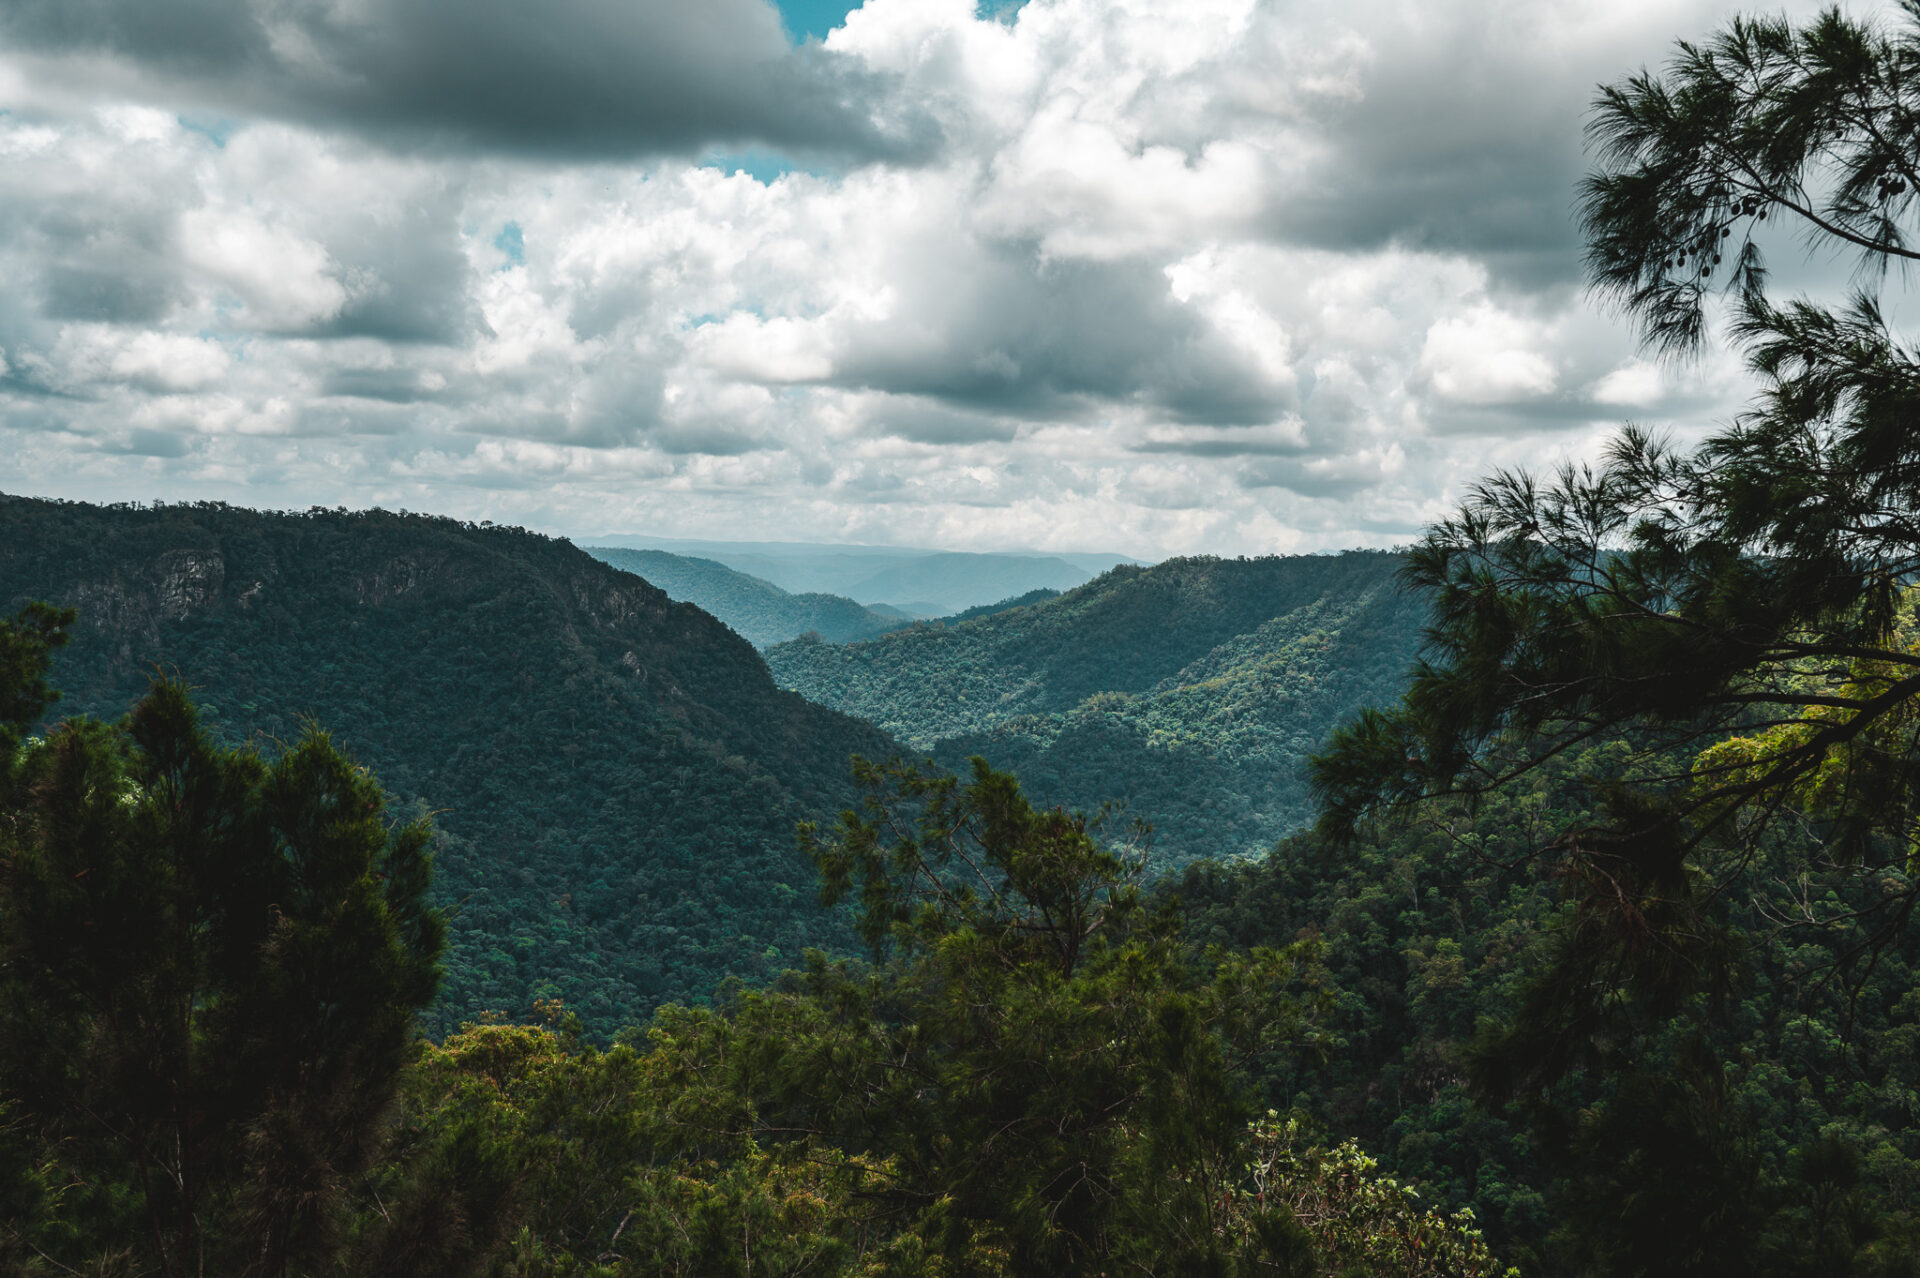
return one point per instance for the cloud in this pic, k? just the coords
(1486, 357)
(1155, 276)
(591, 79)
(994, 327)
(153, 443)
(1453, 127)
(1637, 384)
(387, 384)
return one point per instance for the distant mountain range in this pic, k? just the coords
(759, 611)
(1193, 690)
(763, 613)
(615, 775)
(919, 583)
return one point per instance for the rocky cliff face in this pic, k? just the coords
(131, 602)
(398, 576)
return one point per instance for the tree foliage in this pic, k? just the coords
(1032, 1076)
(1753, 586)
(1812, 125)
(210, 964)
(1681, 1134)
(1031, 1046)
(1358, 1219)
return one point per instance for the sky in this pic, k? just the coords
(1152, 277)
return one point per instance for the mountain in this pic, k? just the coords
(759, 611)
(1017, 601)
(1192, 690)
(924, 583)
(615, 775)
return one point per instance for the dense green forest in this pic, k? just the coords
(211, 957)
(1192, 691)
(758, 611)
(614, 777)
(1039, 595)
(1766, 1124)
(1029, 1002)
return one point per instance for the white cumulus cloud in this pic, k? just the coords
(1148, 275)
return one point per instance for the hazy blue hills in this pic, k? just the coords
(615, 774)
(1193, 690)
(759, 611)
(764, 614)
(936, 585)
(923, 583)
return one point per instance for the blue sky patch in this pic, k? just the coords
(216, 129)
(812, 19)
(512, 243)
(762, 166)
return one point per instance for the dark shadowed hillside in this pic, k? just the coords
(1194, 689)
(615, 774)
(761, 612)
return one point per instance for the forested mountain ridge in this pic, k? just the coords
(1193, 689)
(915, 581)
(1039, 594)
(761, 612)
(614, 775)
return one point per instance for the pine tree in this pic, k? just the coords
(210, 964)
(1741, 612)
